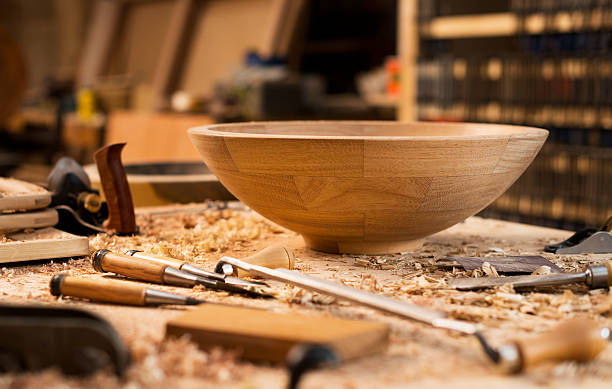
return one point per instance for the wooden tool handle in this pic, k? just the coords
(168, 261)
(108, 291)
(140, 269)
(578, 340)
(272, 257)
(21, 221)
(121, 216)
(609, 267)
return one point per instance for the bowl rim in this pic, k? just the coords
(217, 130)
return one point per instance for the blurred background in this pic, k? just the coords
(77, 74)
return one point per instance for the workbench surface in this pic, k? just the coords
(418, 356)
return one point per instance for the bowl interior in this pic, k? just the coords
(376, 129)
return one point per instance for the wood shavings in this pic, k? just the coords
(489, 270)
(542, 270)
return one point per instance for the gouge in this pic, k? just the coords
(189, 268)
(595, 277)
(145, 270)
(112, 291)
(579, 340)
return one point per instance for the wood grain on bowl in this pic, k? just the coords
(367, 187)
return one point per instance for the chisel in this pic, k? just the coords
(578, 340)
(273, 256)
(145, 270)
(595, 277)
(113, 291)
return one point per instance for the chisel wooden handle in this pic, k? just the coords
(168, 261)
(140, 269)
(578, 340)
(109, 291)
(273, 257)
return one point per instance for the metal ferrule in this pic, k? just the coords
(173, 276)
(597, 276)
(96, 259)
(153, 296)
(510, 359)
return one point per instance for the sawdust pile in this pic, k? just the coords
(189, 236)
(175, 363)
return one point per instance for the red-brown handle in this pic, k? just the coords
(121, 216)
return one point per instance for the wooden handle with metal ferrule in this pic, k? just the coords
(578, 340)
(121, 217)
(109, 291)
(168, 261)
(273, 257)
(140, 269)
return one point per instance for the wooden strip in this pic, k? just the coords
(105, 21)
(472, 26)
(171, 52)
(46, 243)
(21, 221)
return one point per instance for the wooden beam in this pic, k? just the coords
(171, 52)
(99, 40)
(407, 49)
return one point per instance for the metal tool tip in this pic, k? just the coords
(192, 301)
(490, 351)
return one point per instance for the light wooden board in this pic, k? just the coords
(224, 31)
(46, 243)
(154, 137)
(265, 336)
(17, 194)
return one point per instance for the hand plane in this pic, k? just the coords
(73, 205)
(75, 341)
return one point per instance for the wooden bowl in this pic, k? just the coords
(367, 187)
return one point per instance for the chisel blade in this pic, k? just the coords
(529, 281)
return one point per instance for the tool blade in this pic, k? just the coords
(341, 291)
(529, 281)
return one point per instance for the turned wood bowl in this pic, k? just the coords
(366, 187)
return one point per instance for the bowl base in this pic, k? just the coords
(362, 247)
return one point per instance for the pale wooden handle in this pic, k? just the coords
(21, 221)
(108, 291)
(275, 256)
(140, 269)
(578, 340)
(168, 261)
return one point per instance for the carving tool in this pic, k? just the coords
(578, 340)
(189, 268)
(595, 277)
(145, 270)
(77, 342)
(273, 256)
(113, 291)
